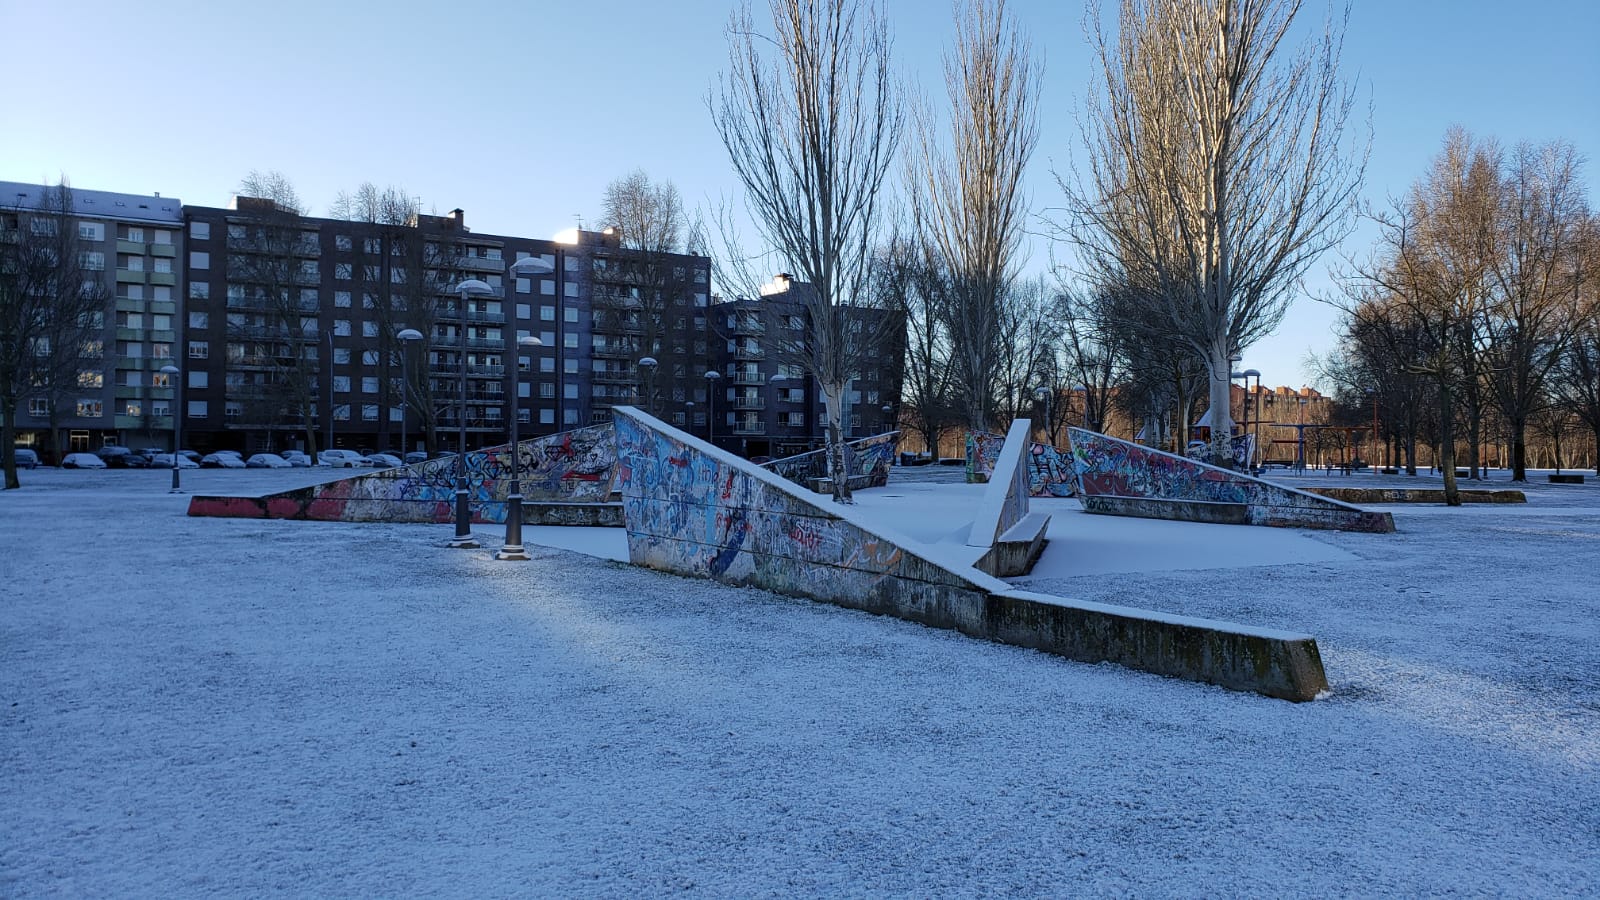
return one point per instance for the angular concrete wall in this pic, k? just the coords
(1005, 499)
(695, 510)
(570, 467)
(1050, 471)
(1115, 470)
(867, 461)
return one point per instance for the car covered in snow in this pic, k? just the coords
(383, 460)
(266, 461)
(341, 459)
(296, 458)
(222, 459)
(164, 461)
(26, 458)
(82, 461)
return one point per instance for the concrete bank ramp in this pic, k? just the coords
(1118, 477)
(693, 509)
(567, 479)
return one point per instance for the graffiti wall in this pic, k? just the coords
(1241, 448)
(1049, 468)
(867, 459)
(692, 509)
(570, 467)
(1005, 500)
(1109, 467)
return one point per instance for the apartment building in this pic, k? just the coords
(132, 244)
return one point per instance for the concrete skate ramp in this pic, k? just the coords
(695, 510)
(1118, 477)
(566, 480)
(1050, 470)
(867, 461)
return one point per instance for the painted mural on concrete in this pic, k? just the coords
(867, 461)
(693, 509)
(1109, 467)
(569, 467)
(1241, 448)
(1049, 468)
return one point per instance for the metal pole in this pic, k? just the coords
(513, 549)
(463, 539)
(404, 404)
(330, 390)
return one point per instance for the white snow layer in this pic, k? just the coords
(227, 706)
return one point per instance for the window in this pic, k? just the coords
(547, 390)
(372, 245)
(132, 408)
(90, 409)
(308, 268)
(132, 263)
(199, 231)
(232, 409)
(341, 383)
(570, 366)
(397, 275)
(547, 313)
(547, 365)
(524, 285)
(163, 265)
(369, 357)
(369, 412)
(342, 242)
(571, 289)
(133, 378)
(569, 416)
(162, 236)
(369, 329)
(161, 292)
(161, 350)
(341, 327)
(341, 412)
(570, 314)
(39, 407)
(199, 290)
(369, 385)
(343, 271)
(199, 378)
(136, 235)
(197, 409)
(569, 341)
(161, 322)
(236, 231)
(199, 260)
(548, 288)
(42, 226)
(569, 391)
(92, 261)
(341, 356)
(547, 417)
(369, 300)
(132, 320)
(199, 350)
(341, 299)
(396, 414)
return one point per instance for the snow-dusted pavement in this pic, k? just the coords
(219, 707)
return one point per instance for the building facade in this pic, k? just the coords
(293, 331)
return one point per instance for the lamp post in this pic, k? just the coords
(463, 540)
(330, 390)
(513, 549)
(776, 383)
(1300, 461)
(406, 337)
(712, 377)
(1249, 463)
(1042, 395)
(1373, 462)
(172, 372)
(648, 365)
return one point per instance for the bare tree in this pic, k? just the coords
(968, 201)
(51, 311)
(811, 119)
(910, 281)
(1534, 278)
(1576, 382)
(1218, 167)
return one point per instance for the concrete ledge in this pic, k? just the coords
(595, 515)
(1416, 495)
(1568, 478)
(1018, 549)
(1179, 510)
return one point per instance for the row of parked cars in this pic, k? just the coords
(116, 457)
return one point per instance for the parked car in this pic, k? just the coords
(164, 461)
(116, 457)
(266, 461)
(416, 456)
(383, 461)
(222, 459)
(296, 458)
(82, 461)
(342, 459)
(26, 458)
(190, 455)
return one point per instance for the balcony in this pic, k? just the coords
(130, 334)
(166, 278)
(164, 307)
(130, 276)
(750, 428)
(128, 304)
(749, 353)
(482, 264)
(609, 377)
(495, 371)
(485, 343)
(749, 378)
(165, 337)
(135, 248)
(749, 403)
(169, 251)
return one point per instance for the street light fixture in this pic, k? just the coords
(648, 364)
(513, 549)
(406, 336)
(463, 539)
(172, 372)
(712, 377)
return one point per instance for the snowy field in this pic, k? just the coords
(202, 707)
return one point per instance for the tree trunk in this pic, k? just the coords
(8, 438)
(1519, 448)
(1447, 445)
(1221, 397)
(833, 409)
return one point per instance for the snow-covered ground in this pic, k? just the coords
(224, 706)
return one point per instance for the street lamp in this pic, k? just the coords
(1249, 462)
(172, 372)
(712, 377)
(463, 540)
(1373, 462)
(776, 383)
(1042, 394)
(406, 336)
(648, 364)
(513, 550)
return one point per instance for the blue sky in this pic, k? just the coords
(520, 113)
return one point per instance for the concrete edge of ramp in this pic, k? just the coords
(695, 510)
